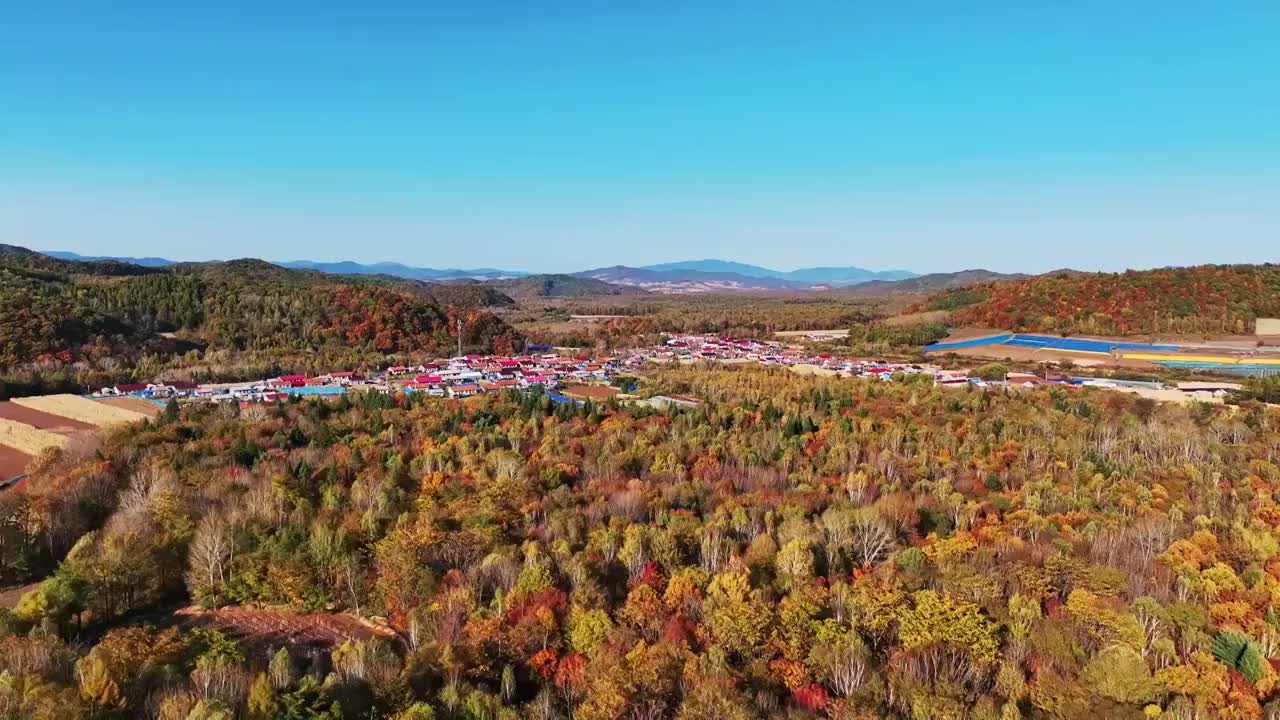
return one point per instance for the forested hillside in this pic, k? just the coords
(1211, 299)
(795, 547)
(57, 312)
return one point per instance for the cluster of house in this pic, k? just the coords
(713, 348)
(473, 374)
(695, 348)
(468, 375)
(269, 390)
(462, 376)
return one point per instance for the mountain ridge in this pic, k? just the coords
(830, 275)
(707, 275)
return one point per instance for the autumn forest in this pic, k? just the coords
(794, 547)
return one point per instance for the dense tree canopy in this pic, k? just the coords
(793, 547)
(60, 319)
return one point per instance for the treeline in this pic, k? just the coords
(793, 547)
(1208, 299)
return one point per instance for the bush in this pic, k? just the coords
(991, 371)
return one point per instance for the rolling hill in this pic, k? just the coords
(61, 311)
(346, 267)
(1208, 299)
(931, 283)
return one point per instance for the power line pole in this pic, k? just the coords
(459, 326)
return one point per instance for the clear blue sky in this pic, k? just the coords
(1021, 135)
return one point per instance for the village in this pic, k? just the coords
(581, 378)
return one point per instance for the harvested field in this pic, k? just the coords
(40, 420)
(78, 408)
(281, 627)
(12, 463)
(28, 440)
(145, 407)
(591, 392)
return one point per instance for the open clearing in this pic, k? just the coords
(78, 408)
(28, 440)
(590, 392)
(281, 627)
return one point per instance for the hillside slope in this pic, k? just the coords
(62, 311)
(1202, 299)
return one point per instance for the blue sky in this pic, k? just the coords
(564, 135)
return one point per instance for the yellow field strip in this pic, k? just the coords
(1220, 359)
(26, 439)
(82, 409)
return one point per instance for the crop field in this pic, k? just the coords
(40, 420)
(28, 440)
(78, 408)
(132, 404)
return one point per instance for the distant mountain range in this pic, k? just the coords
(691, 276)
(332, 268)
(832, 276)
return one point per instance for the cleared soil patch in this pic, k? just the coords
(280, 627)
(26, 439)
(149, 409)
(40, 420)
(78, 408)
(12, 463)
(593, 392)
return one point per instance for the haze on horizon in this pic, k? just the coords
(1012, 136)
